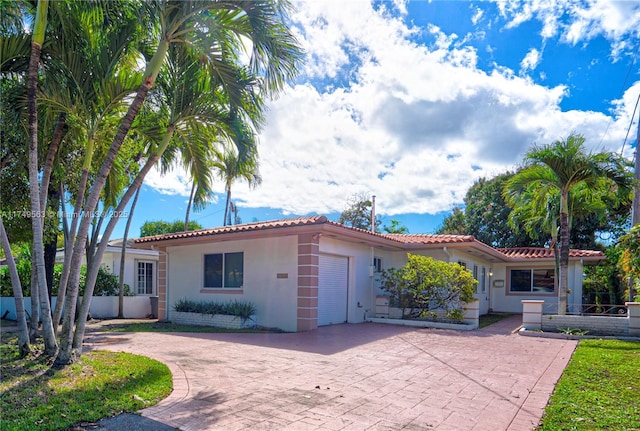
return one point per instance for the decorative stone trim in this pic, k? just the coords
(215, 320)
(308, 275)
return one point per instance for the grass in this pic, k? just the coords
(35, 396)
(488, 319)
(599, 389)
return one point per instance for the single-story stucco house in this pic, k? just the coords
(306, 272)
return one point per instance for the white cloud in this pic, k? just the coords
(531, 60)
(416, 125)
(578, 22)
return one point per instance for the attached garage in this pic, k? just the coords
(332, 289)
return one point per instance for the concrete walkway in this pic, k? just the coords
(353, 377)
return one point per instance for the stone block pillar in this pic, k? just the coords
(633, 314)
(471, 313)
(532, 314)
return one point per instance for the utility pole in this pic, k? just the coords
(635, 210)
(373, 214)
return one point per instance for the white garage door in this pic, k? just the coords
(332, 290)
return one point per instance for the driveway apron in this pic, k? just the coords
(352, 377)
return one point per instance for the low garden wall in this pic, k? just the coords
(102, 307)
(216, 320)
(393, 315)
(596, 325)
(622, 326)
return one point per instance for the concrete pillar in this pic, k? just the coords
(471, 313)
(532, 314)
(633, 314)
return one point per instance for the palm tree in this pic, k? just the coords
(564, 167)
(23, 331)
(37, 213)
(231, 166)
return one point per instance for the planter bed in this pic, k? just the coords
(215, 320)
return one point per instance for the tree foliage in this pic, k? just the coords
(106, 283)
(197, 71)
(564, 169)
(630, 258)
(358, 213)
(454, 224)
(485, 215)
(605, 283)
(395, 227)
(425, 284)
(159, 227)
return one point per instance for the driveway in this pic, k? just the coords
(352, 377)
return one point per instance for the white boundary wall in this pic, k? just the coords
(102, 307)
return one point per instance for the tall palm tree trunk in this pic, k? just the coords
(123, 256)
(37, 216)
(191, 197)
(66, 354)
(92, 271)
(564, 254)
(24, 346)
(226, 206)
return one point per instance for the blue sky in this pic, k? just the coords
(414, 101)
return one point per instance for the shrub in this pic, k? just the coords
(424, 284)
(242, 309)
(106, 282)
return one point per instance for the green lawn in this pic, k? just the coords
(488, 319)
(599, 389)
(35, 396)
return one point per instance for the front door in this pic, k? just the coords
(483, 289)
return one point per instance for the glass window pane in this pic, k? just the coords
(149, 280)
(213, 270)
(520, 280)
(233, 269)
(140, 279)
(543, 280)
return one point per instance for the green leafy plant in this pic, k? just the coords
(424, 284)
(242, 309)
(573, 331)
(106, 282)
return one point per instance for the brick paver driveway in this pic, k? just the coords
(352, 377)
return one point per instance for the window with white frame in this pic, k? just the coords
(483, 280)
(537, 280)
(144, 278)
(224, 270)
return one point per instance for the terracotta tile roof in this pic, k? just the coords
(429, 239)
(516, 253)
(272, 224)
(546, 253)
